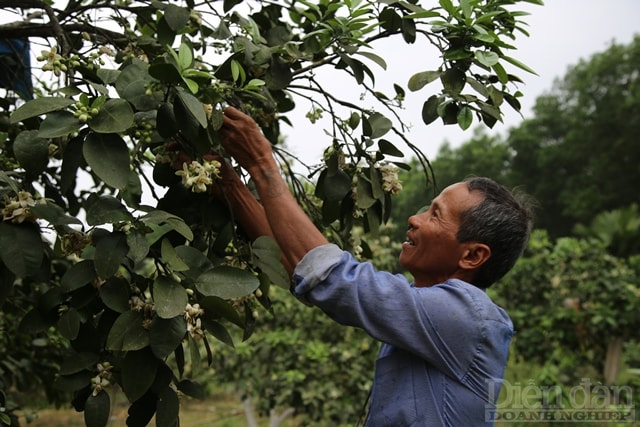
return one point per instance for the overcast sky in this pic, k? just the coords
(561, 33)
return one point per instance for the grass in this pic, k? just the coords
(215, 411)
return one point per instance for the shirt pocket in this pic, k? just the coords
(393, 401)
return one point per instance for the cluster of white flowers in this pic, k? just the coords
(103, 379)
(198, 176)
(192, 314)
(54, 61)
(19, 210)
(390, 182)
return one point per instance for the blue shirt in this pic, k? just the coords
(444, 347)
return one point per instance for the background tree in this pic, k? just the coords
(579, 155)
(574, 308)
(136, 266)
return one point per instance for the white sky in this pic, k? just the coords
(561, 33)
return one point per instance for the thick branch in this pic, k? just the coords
(56, 29)
(27, 29)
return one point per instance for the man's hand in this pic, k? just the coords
(244, 141)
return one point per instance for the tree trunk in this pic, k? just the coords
(612, 360)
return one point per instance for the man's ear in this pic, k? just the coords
(474, 255)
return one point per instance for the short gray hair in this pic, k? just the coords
(503, 221)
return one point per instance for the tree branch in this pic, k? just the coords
(56, 29)
(27, 29)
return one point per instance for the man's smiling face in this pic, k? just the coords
(432, 252)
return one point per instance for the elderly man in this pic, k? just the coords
(444, 342)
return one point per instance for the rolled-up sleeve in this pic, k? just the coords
(314, 268)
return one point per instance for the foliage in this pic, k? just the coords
(303, 360)
(136, 268)
(618, 230)
(573, 306)
(579, 154)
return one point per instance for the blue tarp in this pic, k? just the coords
(15, 67)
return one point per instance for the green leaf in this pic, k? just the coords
(116, 115)
(419, 80)
(389, 149)
(268, 258)
(97, 410)
(501, 73)
(115, 294)
(31, 151)
(166, 121)
(108, 156)
(111, 250)
(139, 369)
(69, 324)
(375, 58)
(376, 125)
(132, 85)
(337, 184)
(453, 80)
(53, 214)
(127, 333)
(165, 72)
(375, 180)
(364, 194)
(279, 74)
(488, 59)
(169, 296)
(4, 177)
(108, 76)
(185, 56)
(519, 65)
(227, 282)
(58, 123)
(78, 362)
(430, 109)
(216, 308)
(218, 330)
(466, 8)
(166, 334)
(138, 246)
(21, 248)
(168, 408)
(194, 106)
(106, 209)
(448, 6)
(78, 275)
(73, 382)
(176, 17)
(39, 106)
(159, 217)
(465, 117)
(170, 256)
(192, 389)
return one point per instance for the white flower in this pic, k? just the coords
(19, 210)
(198, 176)
(390, 182)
